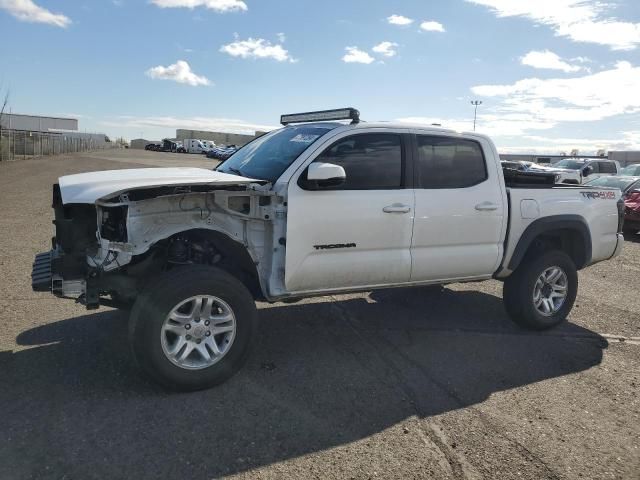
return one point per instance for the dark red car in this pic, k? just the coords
(632, 211)
(630, 187)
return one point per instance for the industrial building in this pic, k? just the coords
(625, 157)
(35, 123)
(23, 136)
(220, 138)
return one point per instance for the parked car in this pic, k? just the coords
(630, 187)
(632, 170)
(221, 152)
(588, 168)
(151, 146)
(318, 207)
(623, 183)
(632, 211)
(561, 175)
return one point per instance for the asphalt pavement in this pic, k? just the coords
(404, 383)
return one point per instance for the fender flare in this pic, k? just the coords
(575, 223)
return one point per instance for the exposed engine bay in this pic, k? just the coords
(112, 248)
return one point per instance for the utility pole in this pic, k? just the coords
(475, 104)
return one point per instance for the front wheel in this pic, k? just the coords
(541, 292)
(192, 328)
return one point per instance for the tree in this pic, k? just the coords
(574, 152)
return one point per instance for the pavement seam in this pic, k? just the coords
(462, 467)
(428, 435)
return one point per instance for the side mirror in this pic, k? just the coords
(323, 175)
(586, 171)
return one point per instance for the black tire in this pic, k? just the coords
(518, 290)
(156, 302)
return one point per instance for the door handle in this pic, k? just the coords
(486, 206)
(397, 208)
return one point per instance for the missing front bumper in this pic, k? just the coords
(45, 277)
(41, 272)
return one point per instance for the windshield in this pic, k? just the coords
(570, 164)
(630, 170)
(267, 157)
(613, 182)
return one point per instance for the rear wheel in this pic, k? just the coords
(192, 328)
(542, 291)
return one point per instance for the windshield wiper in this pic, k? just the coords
(235, 171)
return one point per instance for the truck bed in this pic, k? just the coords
(529, 203)
(520, 179)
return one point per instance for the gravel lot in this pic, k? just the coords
(414, 383)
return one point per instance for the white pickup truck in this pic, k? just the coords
(320, 206)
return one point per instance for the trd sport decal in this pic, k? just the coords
(601, 195)
(334, 245)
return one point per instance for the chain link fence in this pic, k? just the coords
(19, 144)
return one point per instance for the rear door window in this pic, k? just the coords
(445, 162)
(607, 167)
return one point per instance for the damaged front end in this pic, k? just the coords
(108, 250)
(64, 270)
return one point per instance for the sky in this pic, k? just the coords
(552, 75)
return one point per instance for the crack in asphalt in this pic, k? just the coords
(460, 467)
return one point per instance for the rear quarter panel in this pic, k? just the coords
(597, 206)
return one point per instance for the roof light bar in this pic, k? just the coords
(322, 115)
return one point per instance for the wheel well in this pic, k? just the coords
(567, 233)
(201, 247)
(566, 240)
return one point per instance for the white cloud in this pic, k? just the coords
(221, 6)
(432, 26)
(588, 98)
(500, 127)
(27, 11)
(387, 49)
(533, 104)
(178, 72)
(194, 123)
(281, 37)
(578, 20)
(257, 48)
(399, 20)
(494, 125)
(626, 140)
(548, 60)
(355, 55)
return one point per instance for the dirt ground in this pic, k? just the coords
(411, 383)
